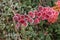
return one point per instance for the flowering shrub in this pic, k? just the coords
(34, 17)
(29, 20)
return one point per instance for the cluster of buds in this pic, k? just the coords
(34, 17)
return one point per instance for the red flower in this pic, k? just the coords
(21, 21)
(22, 16)
(43, 16)
(36, 21)
(36, 13)
(39, 14)
(25, 24)
(40, 8)
(27, 18)
(31, 14)
(30, 20)
(16, 17)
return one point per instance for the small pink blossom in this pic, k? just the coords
(22, 16)
(30, 20)
(36, 13)
(36, 21)
(40, 8)
(16, 17)
(21, 21)
(39, 14)
(25, 24)
(31, 14)
(27, 17)
(43, 16)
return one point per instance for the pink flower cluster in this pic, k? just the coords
(48, 14)
(34, 17)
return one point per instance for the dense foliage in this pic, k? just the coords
(39, 27)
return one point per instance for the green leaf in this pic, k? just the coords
(48, 37)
